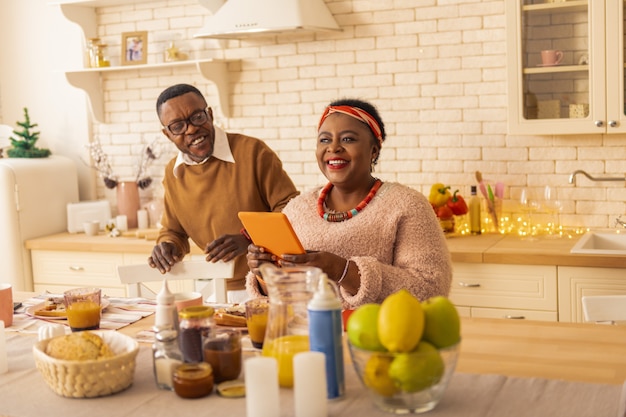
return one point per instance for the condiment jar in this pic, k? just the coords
(193, 380)
(166, 357)
(223, 352)
(196, 322)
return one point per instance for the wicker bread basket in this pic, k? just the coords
(90, 378)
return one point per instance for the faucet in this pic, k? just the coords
(572, 178)
(620, 222)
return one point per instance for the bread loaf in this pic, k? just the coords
(79, 346)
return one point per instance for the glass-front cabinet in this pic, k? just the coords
(566, 66)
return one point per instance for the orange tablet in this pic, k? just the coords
(272, 231)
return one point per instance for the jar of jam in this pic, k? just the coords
(193, 380)
(196, 322)
(223, 352)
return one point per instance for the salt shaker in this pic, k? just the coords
(325, 333)
(166, 356)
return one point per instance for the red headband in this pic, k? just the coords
(358, 114)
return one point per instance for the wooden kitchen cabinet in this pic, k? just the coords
(575, 282)
(505, 291)
(582, 94)
(57, 271)
(82, 12)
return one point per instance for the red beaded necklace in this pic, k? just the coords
(345, 215)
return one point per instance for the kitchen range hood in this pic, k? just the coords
(243, 18)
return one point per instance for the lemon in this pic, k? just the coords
(418, 370)
(362, 327)
(376, 375)
(400, 322)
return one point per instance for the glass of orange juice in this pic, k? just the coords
(256, 320)
(82, 306)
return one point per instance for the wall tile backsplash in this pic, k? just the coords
(435, 70)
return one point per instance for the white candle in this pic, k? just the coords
(121, 223)
(142, 219)
(309, 384)
(4, 361)
(262, 399)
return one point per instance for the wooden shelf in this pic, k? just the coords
(555, 69)
(83, 13)
(564, 6)
(89, 80)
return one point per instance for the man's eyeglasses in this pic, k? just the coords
(197, 119)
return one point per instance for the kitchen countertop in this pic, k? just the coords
(486, 248)
(510, 249)
(80, 242)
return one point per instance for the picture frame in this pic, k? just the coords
(134, 48)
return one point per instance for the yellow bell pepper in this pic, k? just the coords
(439, 194)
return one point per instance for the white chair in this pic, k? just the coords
(604, 308)
(213, 275)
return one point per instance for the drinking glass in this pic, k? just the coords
(553, 207)
(528, 205)
(82, 306)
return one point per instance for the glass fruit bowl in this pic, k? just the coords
(404, 383)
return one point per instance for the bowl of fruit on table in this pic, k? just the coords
(405, 351)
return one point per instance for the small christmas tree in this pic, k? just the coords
(25, 147)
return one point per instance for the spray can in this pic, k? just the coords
(325, 333)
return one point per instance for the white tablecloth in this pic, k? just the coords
(23, 393)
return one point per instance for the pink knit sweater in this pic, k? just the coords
(396, 242)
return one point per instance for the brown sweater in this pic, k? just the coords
(203, 201)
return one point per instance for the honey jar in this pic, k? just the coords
(193, 380)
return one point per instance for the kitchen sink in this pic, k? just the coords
(601, 243)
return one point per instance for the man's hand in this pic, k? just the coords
(164, 255)
(226, 248)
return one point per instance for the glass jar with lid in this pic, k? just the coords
(193, 380)
(196, 323)
(96, 53)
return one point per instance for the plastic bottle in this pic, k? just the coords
(325, 333)
(474, 212)
(165, 315)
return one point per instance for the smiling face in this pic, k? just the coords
(345, 150)
(196, 141)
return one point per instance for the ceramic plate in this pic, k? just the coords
(32, 310)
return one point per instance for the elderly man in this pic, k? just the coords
(214, 176)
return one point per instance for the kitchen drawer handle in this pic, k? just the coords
(465, 284)
(508, 316)
(76, 268)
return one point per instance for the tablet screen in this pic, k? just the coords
(273, 231)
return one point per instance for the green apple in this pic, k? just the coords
(417, 370)
(442, 325)
(362, 327)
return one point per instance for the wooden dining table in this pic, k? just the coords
(505, 367)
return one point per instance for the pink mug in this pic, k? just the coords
(551, 57)
(6, 304)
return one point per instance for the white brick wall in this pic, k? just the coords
(434, 68)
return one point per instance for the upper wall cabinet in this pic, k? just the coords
(565, 66)
(83, 13)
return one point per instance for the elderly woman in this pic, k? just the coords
(371, 237)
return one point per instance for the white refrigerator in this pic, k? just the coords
(34, 193)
